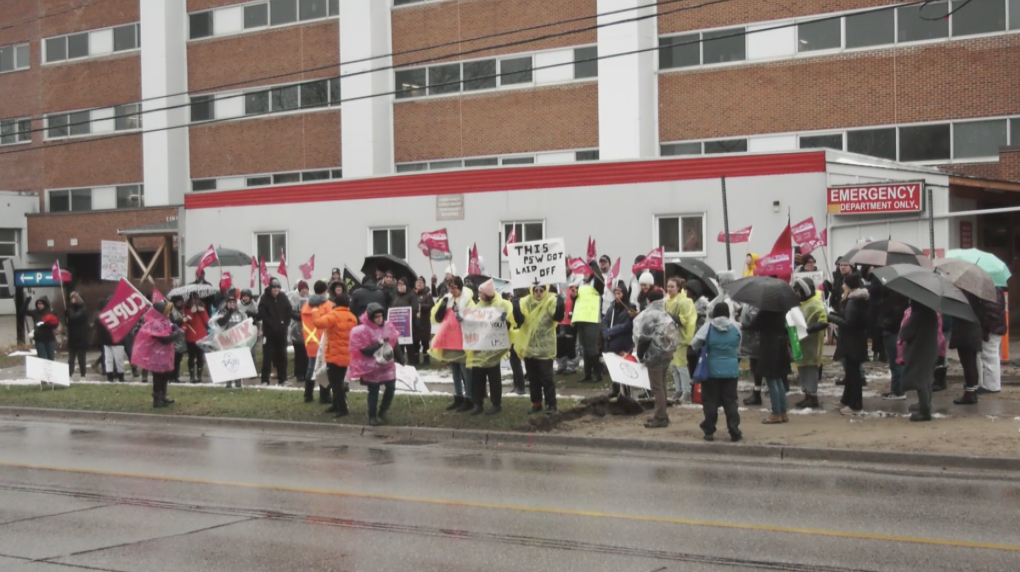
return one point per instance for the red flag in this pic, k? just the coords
(510, 240)
(58, 274)
(264, 272)
(254, 270)
(157, 296)
(654, 261)
(592, 253)
(737, 236)
(613, 273)
(208, 257)
(474, 266)
(435, 245)
(778, 262)
(804, 231)
(579, 267)
(282, 268)
(123, 311)
(226, 282)
(308, 268)
(809, 246)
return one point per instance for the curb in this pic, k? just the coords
(773, 452)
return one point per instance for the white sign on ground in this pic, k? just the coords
(539, 262)
(484, 329)
(113, 260)
(231, 365)
(627, 372)
(47, 371)
(409, 380)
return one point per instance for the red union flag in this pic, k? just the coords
(737, 236)
(613, 273)
(208, 257)
(811, 245)
(227, 282)
(579, 267)
(883, 198)
(435, 245)
(654, 261)
(282, 268)
(264, 272)
(254, 269)
(779, 262)
(308, 268)
(592, 253)
(510, 240)
(157, 296)
(804, 231)
(58, 274)
(123, 311)
(474, 264)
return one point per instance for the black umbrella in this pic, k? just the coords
(387, 262)
(227, 257)
(694, 268)
(887, 253)
(764, 292)
(926, 287)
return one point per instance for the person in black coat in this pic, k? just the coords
(890, 315)
(618, 331)
(876, 296)
(773, 363)
(77, 332)
(45, 333)
(274, 312)
(369, 293)
(852, 343)
(423, 322)
(920, 354)
(967, 339)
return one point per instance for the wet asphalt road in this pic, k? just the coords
(136, 497)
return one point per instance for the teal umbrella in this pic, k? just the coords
(986, 261)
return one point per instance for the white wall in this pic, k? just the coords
(366, 124)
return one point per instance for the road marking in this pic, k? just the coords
(532, 509)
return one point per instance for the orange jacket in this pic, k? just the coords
(338, 324)
(311, 335)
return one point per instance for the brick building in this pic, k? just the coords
(115, 112)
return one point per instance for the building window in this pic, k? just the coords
(13, 58)
(286, 98)
(493, 161)
(126, 37)
(979, 138)
(130, 196)
(256, 16)
(314, 176)
(819, 35)
(873, 142)
(74, 200)
(515, 71)
(391, 241)
(480, 75)
(681, 234)
(286, 178)
(315, 94)
(444, 79)
(56, 126)
(269, 246)
(128, 117)
(834, 141)
(78, 46)
(676, 149)
(726, 146)
(585, 62)
(1014, 14)
(258, 181)
(56, 49)
(679, 51)
(308, 95)
(924, 22)
(282, 12)
(440, 165)
(724, 46)
(592, 155)
(978, 17)
(870, 29)
(518, 161)
(410, 83)
(203, 185)
(412, 167)
(925, 143)
(80, 122)
(1014, 129)
(526, 231)
(13, 131)
(200, 25)
(203, 108)
(312, 9)
(256, 103)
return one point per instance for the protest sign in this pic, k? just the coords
(231, 365)
(408, 380)
(123, 311)
(242, 335)
(817, 277)
(627, 372)
(537, 263)
(44, 370)
(484, 330)
(401, 319)
(113, 260)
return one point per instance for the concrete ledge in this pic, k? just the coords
(849, 456)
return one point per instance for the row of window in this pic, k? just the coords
(79, 200)
(94, 121)
(258, 15)
(586, 155)
(13, 131)
(14, 57)
(959, 141)
(92, 43)
(266, 179)
(854, 30)
(308, 95)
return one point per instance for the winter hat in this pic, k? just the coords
(646, 279)
(619, 288)
(274, 283)
(302, 285)
(335, 271)
(805, 287)
(374, 309)
(246, 292)
(721, 311)
(320, 286)
(76, 295)
(160, 306)
(448, 271)
(488, 288)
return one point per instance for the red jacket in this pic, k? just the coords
(196, 324)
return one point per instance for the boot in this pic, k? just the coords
(457, 402)
(755, 398)
(802, 403)
(120, 377)
(596, 368)
(383, 417)
(535, 408)
(494, 410)
(134, 372)
(426, 362)
(340, 402)
(465, 406)
(478, 410)
(918, 416)
(940, 380)
(109, 377)
(324, 395)
(374, 421)
(772, 420)
(812, 402)
(145, 376)
(191, 374)
(969, 397)
(157, 401)
(335, 401)
(309, 391)
(200, 367)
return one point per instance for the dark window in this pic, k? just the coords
(128, 117)
(60, 201)
(380, 242)
(479, 75)
(203, 185)
(444, 79)
(390, 241)
(519, 161)
(726, 146)
(440, 165)
(583, 68)
(674, 149)
(282, 12)
(870, 29)
(315, 94)
(679, 51)
(270, 246)
(515, 70)
(56, 126)
(200, 25)
(822, 141)
(255, 103)
(22, 56)
(56, 49)
(284, 178)
(315, 176)
(924, 22)
(482, 162)
(979, 138)
(334, 91)
(130, 197)
(873, 142)
(8, 132)
(978, 17)
(724, 46)
(78, 45)
(1014, 14)
(125, 38)
(25, 129)
(412, 167)
(7, 59)
(669, 234)
(405, 2)
(337, 173)
(258, 181)
(312, 9)
(81, 199)
(533, 231)
(79, 123)
(820, 35)
(410, 83)
(925, 143)
(587, 155)
(334, 7)
(256, 16)
(285, 98)
(1014, 132)
(203, 107)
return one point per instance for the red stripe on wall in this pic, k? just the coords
(517, 179)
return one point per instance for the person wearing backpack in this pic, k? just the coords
(656, 338)
(721, 337)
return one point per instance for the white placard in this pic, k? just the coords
(231, 365)
(114, 260)
(818, 277)
(539, 262)
(49, 371)
(484, 329)
(627, 372)
(408, 380)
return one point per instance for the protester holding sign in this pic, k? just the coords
(228, 317)
(537, 316)
(154, 352)
(448, 343)
(485, 364)
(316, 305)
(113, 352)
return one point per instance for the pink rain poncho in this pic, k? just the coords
(367, 369)
(154, 348)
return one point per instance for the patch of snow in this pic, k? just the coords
(20, 353)
(808, 411)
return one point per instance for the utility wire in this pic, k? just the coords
(920, 11)
(451, 83)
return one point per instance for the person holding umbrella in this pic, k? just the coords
(774, 360)
(852, 343)
(918, 338)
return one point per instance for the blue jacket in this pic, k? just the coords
(723, 340)
(618, 329)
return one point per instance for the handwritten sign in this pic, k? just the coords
(538, 262)
(231, 365)
(484, 330)
(401, 320)
(113, 260)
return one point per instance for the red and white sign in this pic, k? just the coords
(208, 257)
(804, 231)
(308, 268)
(869, 199)
(124, 309)
(435, 244)
(966, 234)
(821, 240)
(737, 236)
(654, 261)
(579, 267)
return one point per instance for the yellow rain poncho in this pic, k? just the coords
(814, 312)
(749, 269)
(682, 307)
(537, 336)
(460, 304)
(492, 358)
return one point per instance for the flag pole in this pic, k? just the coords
(726, 224)
(218, 263)
(60, 278)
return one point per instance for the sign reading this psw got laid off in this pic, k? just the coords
(539, 262)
